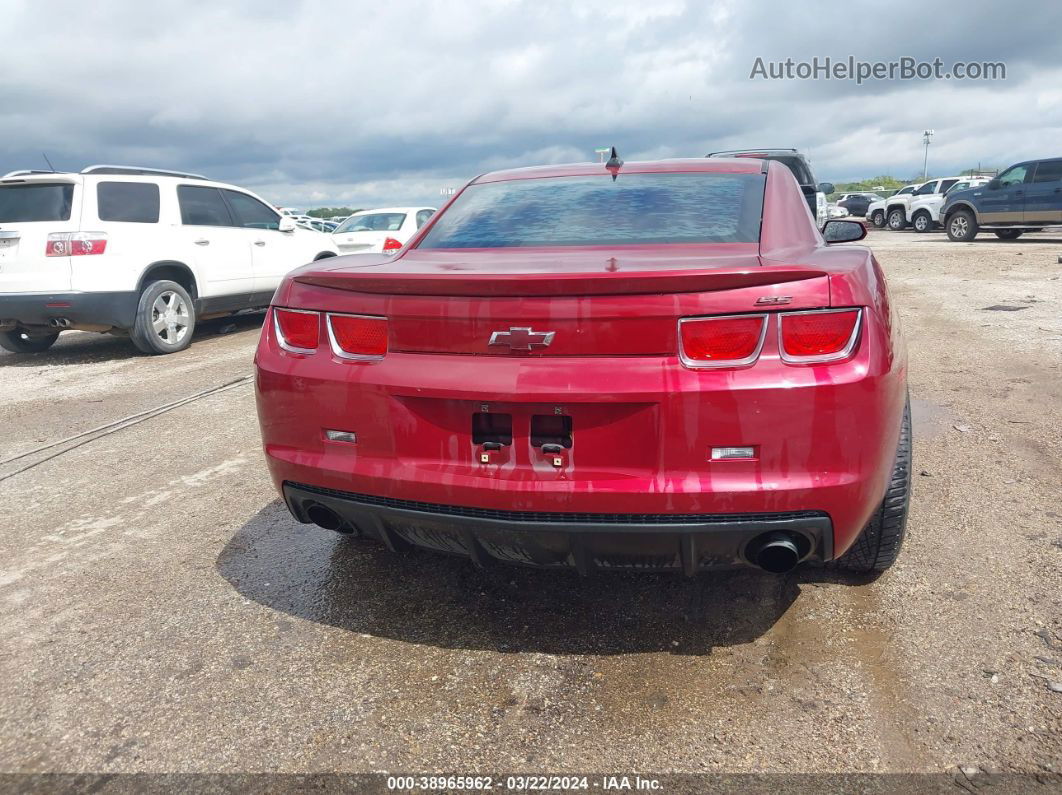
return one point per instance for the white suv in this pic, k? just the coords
(925, 210)
(136, 250)
(876, 210)
(898, 207)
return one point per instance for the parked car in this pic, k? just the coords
(857, 203)
(654, 365)
(380, 231)
(876, 209)
(814, 192)
(836, 211)
(898, 208)
(1027, 197)
(925, 210)
(136, 250)
(321, 225)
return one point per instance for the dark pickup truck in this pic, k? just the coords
(1025, 198)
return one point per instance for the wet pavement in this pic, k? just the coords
(162, 612)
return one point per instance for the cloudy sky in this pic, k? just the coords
(371, 103)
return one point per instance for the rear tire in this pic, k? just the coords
(897, 220)
(165, 319)
(1009, 234)
(19, 341)
(878, 546)
(922, 222)
(962, 226)
(878, 218)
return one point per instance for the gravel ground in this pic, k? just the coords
(162, 612)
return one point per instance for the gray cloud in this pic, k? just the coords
(366, 103)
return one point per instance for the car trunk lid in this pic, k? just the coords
(599, 303)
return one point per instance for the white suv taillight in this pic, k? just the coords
(75, 244)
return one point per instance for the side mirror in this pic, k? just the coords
(826, 187)
(843, 231)
(287, 224)
(993, 184)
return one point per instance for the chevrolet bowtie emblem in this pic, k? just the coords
(521, 338)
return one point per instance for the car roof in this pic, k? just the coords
(406, 210)
(743, 165)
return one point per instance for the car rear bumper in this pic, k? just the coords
(648, 542)
(116, 309)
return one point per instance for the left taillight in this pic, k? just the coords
(297, 330)
(75, 244)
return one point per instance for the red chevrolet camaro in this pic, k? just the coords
(657, 365)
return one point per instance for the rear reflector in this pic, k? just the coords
(818, 336)
(297, 330)
(390, 245)
(75, 244)
(357, 336)
(721, 341)
(732, 453)
(341, 436)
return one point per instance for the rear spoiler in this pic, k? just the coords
(472, 284)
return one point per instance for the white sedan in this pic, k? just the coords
(380, 231)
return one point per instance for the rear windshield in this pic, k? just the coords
(376, 222)
(36, 202)
(597, 211)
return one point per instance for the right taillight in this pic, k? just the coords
(728, 341)
(390, 245)
(297, 330)
(357, 336)
(823, 335)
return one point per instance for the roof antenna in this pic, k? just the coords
(49, 162)
(613, 164)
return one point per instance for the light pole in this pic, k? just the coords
(926, 135)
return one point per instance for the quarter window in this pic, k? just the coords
(423, 216)
(1048, 171)
(202, 206)
(250, 212)
(130, 202)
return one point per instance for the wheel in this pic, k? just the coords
(922, 222)
(20, 341)
(1009, 234)
(962, 226)
(878, 218)
(897, 220)
(165, 319)
(879, 544)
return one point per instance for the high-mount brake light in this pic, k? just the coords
(357, 336)
(821, 335)
(727, 341)
(390, 245)
(75, 244)
(297, 330)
